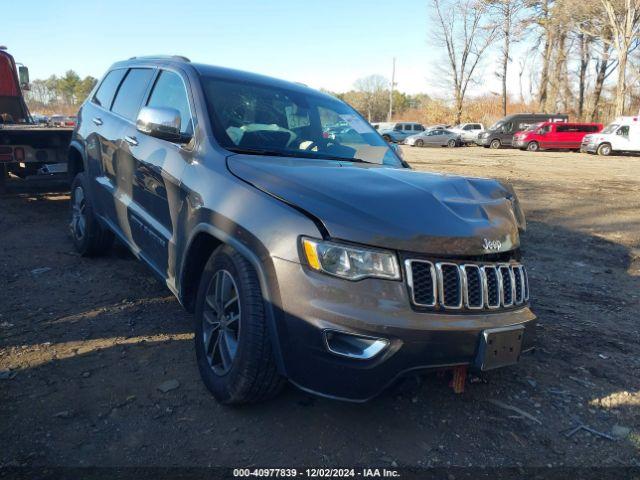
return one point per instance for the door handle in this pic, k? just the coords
(97, 120)
(131, 140)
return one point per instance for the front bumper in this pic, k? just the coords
(519, 143)
(588, 148)
(314, 302)
(482, 141)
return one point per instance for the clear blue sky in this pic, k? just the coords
(323, 43)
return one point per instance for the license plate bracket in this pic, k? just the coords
(499, 347)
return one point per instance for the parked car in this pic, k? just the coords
(398, 131)
(554, 135)
(435, 138)
(468, 131)
(57, 120)
(622, 135)
(298, 254)
(501, 133)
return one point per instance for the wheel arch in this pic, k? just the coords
(204, 239)
(76, 160)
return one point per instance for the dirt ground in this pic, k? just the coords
(85, 344)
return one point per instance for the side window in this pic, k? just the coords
(131, 92)
(624, 131)
(420, 128)
(169, 92)
(476, 126)
(468, 127)
(545, 129)
(108, 87)
(408, 126)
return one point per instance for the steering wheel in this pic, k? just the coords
(310, 146)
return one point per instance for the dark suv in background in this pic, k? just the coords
(326, 262)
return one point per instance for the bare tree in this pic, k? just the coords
(544, 19)
(510, 28)
(624, 19)
(374, 93)
(464, 30)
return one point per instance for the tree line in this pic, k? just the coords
(62, 94)
(576, 57)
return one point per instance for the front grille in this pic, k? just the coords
(453, 286)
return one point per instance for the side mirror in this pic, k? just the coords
(160, 122)
(23, 74)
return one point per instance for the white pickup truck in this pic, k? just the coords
(468, 131)
(621, 135)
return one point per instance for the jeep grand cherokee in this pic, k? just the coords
(318, 258)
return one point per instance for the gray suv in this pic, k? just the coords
(323, 261)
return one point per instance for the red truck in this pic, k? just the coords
(554, 136)
(27, 149)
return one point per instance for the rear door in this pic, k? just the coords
(102, 132)
(157, 165)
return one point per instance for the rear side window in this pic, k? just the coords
(131, 92)
(420, 128)
(108, 87)
(169, 92)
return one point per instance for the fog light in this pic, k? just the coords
(354, 346)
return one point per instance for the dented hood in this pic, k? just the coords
(394, 208)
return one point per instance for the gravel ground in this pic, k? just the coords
(88, 345)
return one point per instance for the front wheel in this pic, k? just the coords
(533, 146)
(495, 144)
(233, 347)
(451, 143)
(604, 149)
(419, 143)
(89, 237)
(387, 138)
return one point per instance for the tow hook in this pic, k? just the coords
(459, 379)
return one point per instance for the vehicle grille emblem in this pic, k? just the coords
(491, 245)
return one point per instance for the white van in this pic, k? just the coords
(622, 135)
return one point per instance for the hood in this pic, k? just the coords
(393, 208)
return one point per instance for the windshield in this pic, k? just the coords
(496, 126)
(269, 120)
(533, 126)
(612, 127)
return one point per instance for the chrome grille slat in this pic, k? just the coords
(454, 286)
(473, 287)
(428, 284)
(449, 285)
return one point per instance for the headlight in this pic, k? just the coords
(352, 263)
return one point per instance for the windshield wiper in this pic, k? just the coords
(284, 153)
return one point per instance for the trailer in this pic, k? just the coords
(27, 149)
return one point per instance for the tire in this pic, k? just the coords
(419, 143)
(90, 238)
(495, 144)
(246, 373)
(452, 143)
(533, 146)
(604, 149)
(387, 138)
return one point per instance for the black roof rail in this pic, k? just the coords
(162, 57)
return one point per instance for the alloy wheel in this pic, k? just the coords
(221, 322)
(78, 217)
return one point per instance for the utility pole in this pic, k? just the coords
(393, 84)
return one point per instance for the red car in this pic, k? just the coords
(554, 135)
